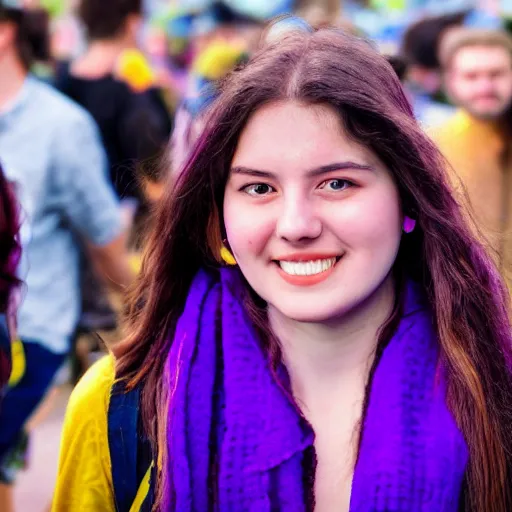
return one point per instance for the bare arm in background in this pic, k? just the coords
(89, 203)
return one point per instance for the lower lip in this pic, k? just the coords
(305, 280)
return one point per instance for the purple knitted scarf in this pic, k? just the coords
(238, 444)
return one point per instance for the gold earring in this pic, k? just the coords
(226, 256)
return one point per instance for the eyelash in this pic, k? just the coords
(252, 186)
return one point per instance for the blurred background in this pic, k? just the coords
(169, 58)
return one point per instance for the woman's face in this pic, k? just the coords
(312, 217)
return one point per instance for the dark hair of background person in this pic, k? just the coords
(399, 65)
(33, 33)
(469, 301)
(226, 15)
(421, 40)
(104, 19)
(10, 249)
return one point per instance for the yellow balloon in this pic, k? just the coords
(218, 59)
(134, 69)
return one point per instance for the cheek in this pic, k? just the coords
(248, 228)
(371, 222)
(505, 88)
(462, 89)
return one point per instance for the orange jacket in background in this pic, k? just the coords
(479, 156)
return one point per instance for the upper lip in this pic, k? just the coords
(307, 257)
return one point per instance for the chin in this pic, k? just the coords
(330, 308)
(488, 115)
(309, 316)
(313, 311)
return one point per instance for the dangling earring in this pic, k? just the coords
(226, 255)
(409, 224)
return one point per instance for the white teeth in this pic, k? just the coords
(306, 268)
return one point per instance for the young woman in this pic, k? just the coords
(134, 123)
(356, 357)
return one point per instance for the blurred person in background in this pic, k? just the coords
(210, 66)
(419, 49)
(225, 37)
(168, 75)
(38, 26)
(51, 150)
(322, 15)
(10, 251)
(114, 83)
(477, 139)
(228, 21)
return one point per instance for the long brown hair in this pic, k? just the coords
(467, 296)
(10, 246)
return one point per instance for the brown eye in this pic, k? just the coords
(258, 189)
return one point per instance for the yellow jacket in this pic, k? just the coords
(84, 479)
(480, 164)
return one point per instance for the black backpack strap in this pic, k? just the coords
(123, 441)
(144, 461)
(147, 506)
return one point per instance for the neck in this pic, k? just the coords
(13, 75)
(100, 58)
(324, 358)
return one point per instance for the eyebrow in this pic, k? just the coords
(317, 171)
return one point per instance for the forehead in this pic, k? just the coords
(481, 58)
(294, 135)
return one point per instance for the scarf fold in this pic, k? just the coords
(237, 442)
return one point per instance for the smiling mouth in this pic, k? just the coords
(307, 268)
(304, 273)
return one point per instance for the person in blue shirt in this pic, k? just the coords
(51, 150)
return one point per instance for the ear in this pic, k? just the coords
(7, 35)
(133, 24)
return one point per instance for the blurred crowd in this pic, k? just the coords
(101, 102)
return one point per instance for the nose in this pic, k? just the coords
(298, 221)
